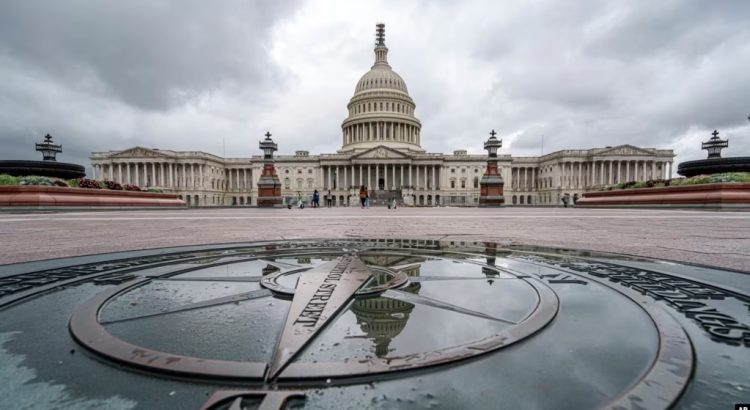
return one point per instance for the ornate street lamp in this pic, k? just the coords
(48, 149)
(491, 184)
(269, 185)
(715, 145)
(268, 147)
(492, 144)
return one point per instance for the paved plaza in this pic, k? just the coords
(720, 239)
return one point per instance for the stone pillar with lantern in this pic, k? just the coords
(491, 184)
(269, 185)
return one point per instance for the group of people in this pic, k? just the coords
(364, 199)
(316, 199)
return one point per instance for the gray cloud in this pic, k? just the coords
(198, 75)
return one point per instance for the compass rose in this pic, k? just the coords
(319, 296)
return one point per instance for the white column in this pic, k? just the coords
(369, 177)
(410, 175)
(377, 174)
(119, 172)
(562, 175)
(401, 181)
(609, 177)
(433, 177)
(425, 177)
(360, 175)
(327, 170)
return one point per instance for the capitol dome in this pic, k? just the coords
(381, 112)
(381, 76)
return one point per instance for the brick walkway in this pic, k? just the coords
(719, 239)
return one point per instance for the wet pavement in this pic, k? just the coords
(720, 239)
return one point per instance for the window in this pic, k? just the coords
(309, 171)
(287, 183)
(453, 183)
(310, 183)
(476, 182)
(453, 170)
(299, 183)
(463, 183)
(286, 171)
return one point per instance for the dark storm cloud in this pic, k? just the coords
(108, 57)
(607, 73)
(151, 54)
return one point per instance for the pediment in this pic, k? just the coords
(381, 152)
(140, 152)
(625, 150)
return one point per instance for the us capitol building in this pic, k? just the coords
(381, 148)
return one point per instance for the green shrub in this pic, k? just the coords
(698, 179)
(6, 179)
(36, 180)
(73, 183)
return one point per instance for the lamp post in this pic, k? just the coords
(48, 149)
(491, 184)
(269, 185)
(714, 145)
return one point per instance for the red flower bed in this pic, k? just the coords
(89, 183)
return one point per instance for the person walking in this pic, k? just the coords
(362, 195)
(316, 199)
(329, 199)
(367, 198)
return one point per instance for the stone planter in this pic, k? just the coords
(34, 196)
(715, 196)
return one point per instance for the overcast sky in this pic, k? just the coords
(215, 75)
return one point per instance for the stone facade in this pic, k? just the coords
(381, 148)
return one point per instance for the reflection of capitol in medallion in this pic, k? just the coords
(382, 319)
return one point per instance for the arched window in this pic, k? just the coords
(299, 183)
(515, 200)
(476, 182)
(453, 183)
(310, 183)
(287, 183)
(463, 183)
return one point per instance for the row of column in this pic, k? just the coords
(163, 174)
(381, 131)
(239, 179)
(524, 178)
(579, 174)
(394, 176)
